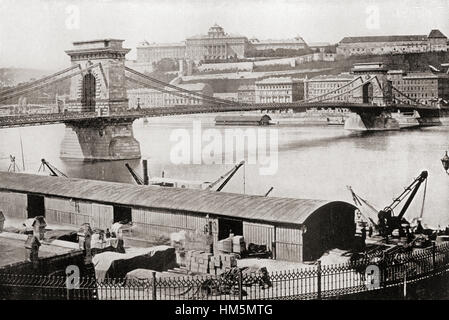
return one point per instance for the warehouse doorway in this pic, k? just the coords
(35, 206)
(226, 226)
(122, 214)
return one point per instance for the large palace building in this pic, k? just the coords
(434, 42)
(215, 45)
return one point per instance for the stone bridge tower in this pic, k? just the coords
(100, 90)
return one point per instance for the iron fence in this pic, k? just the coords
(313, 282)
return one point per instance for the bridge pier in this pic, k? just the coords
(100, 139)
(368, 121)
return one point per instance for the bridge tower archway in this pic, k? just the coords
(89, 92)
(368, 93)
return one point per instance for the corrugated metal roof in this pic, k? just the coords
(269, 209)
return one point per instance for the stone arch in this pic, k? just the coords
(88, 92)
(368, 92)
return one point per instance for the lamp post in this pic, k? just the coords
(445, 163)
(209, 233)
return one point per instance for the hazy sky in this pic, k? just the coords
(35, 33)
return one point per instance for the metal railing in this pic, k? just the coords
(313, 282)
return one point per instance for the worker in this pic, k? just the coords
(120, 242)
(265, 281)
(370, 231)
(408, 234)
(419, 228)
(364, 233)
(108, 233)
(363, 244)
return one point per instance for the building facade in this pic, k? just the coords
(367, 83)
(375, 45)
(321, 85)
(296, 43)
(216, 45)
(144, 98)
(423, 87)
(154, 52)
(279, 90)
(166, 97)
(246, 93)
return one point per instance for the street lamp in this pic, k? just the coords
(445, 162)
(208, 231)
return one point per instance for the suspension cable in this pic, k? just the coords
(221, 101)
(407, 97)
(42, 85)
(335, 90)
(21, 87)
(163, 90)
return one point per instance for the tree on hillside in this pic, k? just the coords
(166, 64)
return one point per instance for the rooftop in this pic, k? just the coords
(384, 38)
(424, 75)
(295, 40)
(248, 207)
(333, 77)
(278, 80)
(246, 87)
(190, 86)
(12, 249)
(146, 44)
(435, 33)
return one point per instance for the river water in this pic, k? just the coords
(314, 162)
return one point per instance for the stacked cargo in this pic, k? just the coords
(197, 261)
(238, 244)
(222, 262)
(233, 244)
(202, 262)
(225, 245)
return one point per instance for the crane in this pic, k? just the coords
(268, 192)
(13, 166)
(387, 220)
(136, 177)
(228, 174)
(54, 172)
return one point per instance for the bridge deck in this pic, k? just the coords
(49, 118)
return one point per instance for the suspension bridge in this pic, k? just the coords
(99, 121)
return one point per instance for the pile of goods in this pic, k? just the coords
(204, 262)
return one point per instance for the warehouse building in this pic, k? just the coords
(293, 229)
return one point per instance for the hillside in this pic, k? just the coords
(14, 76)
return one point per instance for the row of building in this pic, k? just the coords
(282, 90)
(422, 87)
(435, 41)
(426, 88)
(219, 45)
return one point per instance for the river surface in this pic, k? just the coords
(312, 162)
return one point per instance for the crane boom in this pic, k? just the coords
(136, 177)
(231, 174)
(387, 221)
(55, 172)
(228, 174)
